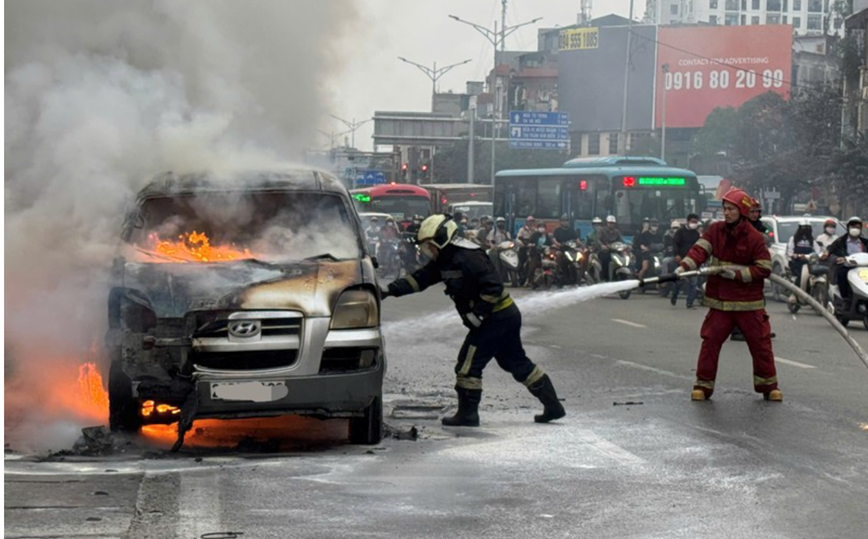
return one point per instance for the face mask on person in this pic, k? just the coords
(501, 226)
(693, 225)
(541, 229)
(653, 229)
(830, 230)
(855, 231)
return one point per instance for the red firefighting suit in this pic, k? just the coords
(734, 303)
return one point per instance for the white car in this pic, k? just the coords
(781, 229)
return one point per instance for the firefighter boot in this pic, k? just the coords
(468, 409)
(775, 395)
(545, 392)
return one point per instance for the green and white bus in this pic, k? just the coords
(630, 188)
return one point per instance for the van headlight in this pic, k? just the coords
(355, 309)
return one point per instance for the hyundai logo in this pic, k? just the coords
(245, 329)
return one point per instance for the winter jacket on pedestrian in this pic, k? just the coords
(839, 247)
(684, 239)
(736, 245)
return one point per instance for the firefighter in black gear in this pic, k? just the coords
(488, 312)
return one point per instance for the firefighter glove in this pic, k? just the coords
(385, 293)
(728, 274)
(679, 270)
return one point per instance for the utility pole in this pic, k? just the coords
(665, 68)
(352, 126)
(622, 139)
(470, 150)
(497, 40)
(434, 74)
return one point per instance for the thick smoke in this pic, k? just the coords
(101, 95)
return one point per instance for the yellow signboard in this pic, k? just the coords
(574, 39)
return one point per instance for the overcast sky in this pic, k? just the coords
(421, 31)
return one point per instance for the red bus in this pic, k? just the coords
(401, 201)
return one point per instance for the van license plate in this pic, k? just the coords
(249, 391)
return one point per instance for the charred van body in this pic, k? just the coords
(245, 296)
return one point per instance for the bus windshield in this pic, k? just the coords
(399, 207)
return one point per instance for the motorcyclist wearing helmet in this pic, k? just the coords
(755, 217)
(486, 309)
(372, 234)
(564, 234)
(849, 244)
(498, 235)
(829, 235)
(597, 225)
(523, 240)
(483, 231)
(799, 247)
(734, 296)
(605, 238)
(413, 227)
(645, 244)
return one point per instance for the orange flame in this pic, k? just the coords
(91, 391)
(196, 247)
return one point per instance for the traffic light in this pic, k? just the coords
(404, 170)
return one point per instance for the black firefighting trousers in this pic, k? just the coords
(499, 339)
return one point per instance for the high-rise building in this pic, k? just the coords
(807, 17)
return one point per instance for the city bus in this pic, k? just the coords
(630, 188)
(401, 201)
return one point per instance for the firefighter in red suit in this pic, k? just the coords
(735, 297)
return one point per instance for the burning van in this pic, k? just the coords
(244, 296)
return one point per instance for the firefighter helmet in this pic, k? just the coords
(439, 229)
(740, 199)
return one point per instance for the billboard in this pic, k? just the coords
(702, 68)
(573, 39)
(591, 79)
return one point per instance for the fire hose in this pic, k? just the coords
(777, 279)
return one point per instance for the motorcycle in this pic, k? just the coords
(389, 257)
(409, 253)
(508, 256)
(547, 273)
(575, 259)
(855, 307)
(620, 267)
(814, 281)
(655, 268)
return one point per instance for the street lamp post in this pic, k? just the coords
(352, 126)
(434, 74)
(495, 39)
(622, 139)
(665, 68)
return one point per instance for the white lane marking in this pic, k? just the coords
(653, 369)
(556, 347)
(628, 323)
(794, 363)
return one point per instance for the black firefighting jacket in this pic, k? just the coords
(471, 281)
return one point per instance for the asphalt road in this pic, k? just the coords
(661, 467)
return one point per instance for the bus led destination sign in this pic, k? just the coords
(663, 182)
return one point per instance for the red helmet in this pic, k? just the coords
(740, 199)
(755, 204)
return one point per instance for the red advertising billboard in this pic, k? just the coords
(702, 68)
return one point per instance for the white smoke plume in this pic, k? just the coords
(100, 95)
